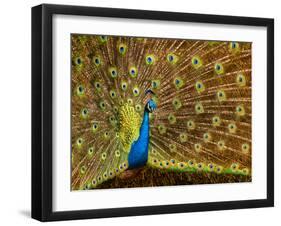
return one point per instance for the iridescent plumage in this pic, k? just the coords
(202, 122)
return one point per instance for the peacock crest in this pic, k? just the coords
(179, 107)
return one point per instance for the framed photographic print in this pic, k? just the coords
(145, 112)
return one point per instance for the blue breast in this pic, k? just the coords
(139, 151)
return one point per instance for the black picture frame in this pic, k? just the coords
(42, 84)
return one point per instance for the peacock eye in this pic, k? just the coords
(190, 125)
(177, 103)
(178, 82)
(102, 105)
(80, 90)
(98, 86)
(155, 84)
(149, 59)
(78, 60)
(221, 95)
(172, 58)
(219, 68)
(234, 47)
(245, 171)
(133, 72)
(172, 119)
(245, 148)
(90, 151)
(240, 111)
(79, 142)
(103, 156)
(138, 107)
(240, 80)
(216, 121)
(199, 86)
(122, 48)
(84, 113)
(234, 166)
(97, 60)
(117, 153)
(183, 137)
(221, 145)
(196, 62)
(83, 169)
(103, 38)
(95, 126)
(199, 108)
(112, 72)
(232, 128)
(112, 94)
(136, 91)
(124, 86)
(162, 129)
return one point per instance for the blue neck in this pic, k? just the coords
(139, 151)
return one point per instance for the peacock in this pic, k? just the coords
(171, 105)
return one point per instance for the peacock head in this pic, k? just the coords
(150, 105)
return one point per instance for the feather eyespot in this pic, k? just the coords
(95, 126)
(197, 147)
(112, 94)
(178, 82)
(113, 72)
(234, 47)
(103, 38)
(207, 137)
(219, 68)
(136, 91)
(191, 163)
(172, 119)
(221, 145)
(155, 84)
(172, 147)
(240, 110)
(172, 58)
(97, 60)
(117, 153)
(240, 80)
(79, 142)
(90, 151)
(133, 72)
(177, 103)
(199, 86)
(196, 62)
(183, 137)
(162, 129)
(216, 121)
(232, 127)
(103, 156)
(190, 125)
(83, 169)
(102, 105)
(211, 167)
(234, 167)
(122, 48)
(138, 107)
(245, 171)
(219, 169)
(124, 86)
(221, 96)
(98, 86)
(80, 90)
(200, 166)
(199, 109)
(245, 148)
(84, 113)
(150, 59)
